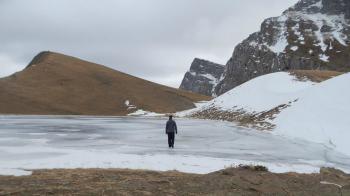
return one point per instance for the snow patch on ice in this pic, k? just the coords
(141, 112)
(14, 172)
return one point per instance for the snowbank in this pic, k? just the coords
(317, 112)
(262, 93)
(321, 114)
(257, 95)
(144, 113)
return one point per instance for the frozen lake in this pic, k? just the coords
(39, 142)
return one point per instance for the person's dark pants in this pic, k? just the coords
(171, 139)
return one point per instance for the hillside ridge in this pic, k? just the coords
(55, 83)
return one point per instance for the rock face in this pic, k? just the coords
(313, 34)
(202, 77)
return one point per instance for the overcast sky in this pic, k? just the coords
(153, 39)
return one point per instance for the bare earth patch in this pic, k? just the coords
(259, 121)
(243, 180)
(314, 75)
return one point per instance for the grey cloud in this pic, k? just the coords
(153, 39)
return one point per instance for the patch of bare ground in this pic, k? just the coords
(314, 75)
(259, 121)
(242, 180)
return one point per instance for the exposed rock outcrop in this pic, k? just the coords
(202, 77)
(313, 34)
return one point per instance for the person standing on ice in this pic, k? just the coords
(171, 130)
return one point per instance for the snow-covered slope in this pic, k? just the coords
(318, 112)
(322, 114)
(262, 93)
(257, 95)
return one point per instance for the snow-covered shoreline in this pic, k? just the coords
(317, 112)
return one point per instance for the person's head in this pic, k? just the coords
(170, 117)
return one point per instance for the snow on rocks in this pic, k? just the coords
(202, 77)
(284, 42)
(262, 93)
(336, 25)
(324, 57)
(315, 112)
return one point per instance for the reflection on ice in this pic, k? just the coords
(35, 142)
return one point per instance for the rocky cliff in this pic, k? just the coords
(313, 34)
(202, 77)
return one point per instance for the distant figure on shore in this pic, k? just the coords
(171, 129)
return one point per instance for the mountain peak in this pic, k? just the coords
(312, 34)
(202, 77)
(55, 83)
(204, 61)
(39, 58)
(330, 7)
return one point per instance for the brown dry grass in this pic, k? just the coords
(315, 75)
(231, 181)
(60, 84)
(258, 121)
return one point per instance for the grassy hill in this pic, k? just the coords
(58, 84)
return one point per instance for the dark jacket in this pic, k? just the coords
(171, 127)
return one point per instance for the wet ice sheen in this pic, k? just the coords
(38, 142)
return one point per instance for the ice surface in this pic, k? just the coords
(39, 142)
